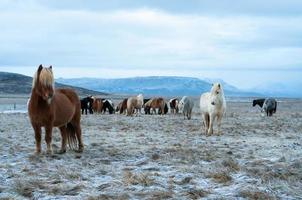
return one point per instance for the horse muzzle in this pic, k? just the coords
(49, 98)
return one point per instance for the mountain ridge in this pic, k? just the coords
(14, 83)
(154, 85)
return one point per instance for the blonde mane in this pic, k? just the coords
(45, 78)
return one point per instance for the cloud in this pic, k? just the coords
(127, 35)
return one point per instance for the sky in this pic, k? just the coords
(246, 43)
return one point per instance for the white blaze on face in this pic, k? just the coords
(49, 100)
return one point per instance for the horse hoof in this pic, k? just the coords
(80, 150)
(49, 152)
(61, 151)
(37, 152)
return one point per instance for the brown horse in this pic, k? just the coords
(50, 108)
(97, 105)
(122, 106)
(158, 103)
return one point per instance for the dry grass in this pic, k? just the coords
(267, 171)
(196, 193)
(220, 177)
(123, 196)
(64, 189)
(26, 188)
(136, 179)
(69, 174)
(159, 157)
(231, 164)
(159, 195)
(184, 181)
(254, 194)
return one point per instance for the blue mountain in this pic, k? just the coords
(153, 85)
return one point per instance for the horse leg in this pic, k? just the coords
(48, 134)
(37, 130)
(211, 120)
(190, 113)
(219, 118)
(205, 123)
(64, 139)
(78, 131)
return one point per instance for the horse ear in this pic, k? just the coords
(218, 85)
(50, 67)
(40, 67)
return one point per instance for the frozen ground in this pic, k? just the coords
(159, 157)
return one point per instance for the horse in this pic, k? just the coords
(269, 106)
(258, 102)
(122, 106)
(49, 107)
(158, 103)
(134, 103)
(108, 105)
(212, 106)
(174, 105)
(147, 106)
(185, 106)
(97, 105)
(166, 109)
(86, 104)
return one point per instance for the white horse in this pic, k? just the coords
(212, 106)
(135, 103)
(186, 106)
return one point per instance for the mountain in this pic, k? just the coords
(12, 83)
(283, 89)
(153, 85)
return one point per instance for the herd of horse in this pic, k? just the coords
(49, 107)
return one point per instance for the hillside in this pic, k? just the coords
(11, 83)
(153, 85)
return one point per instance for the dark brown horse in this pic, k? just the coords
(158, 103)
(50, 108)
(97, 105)
(174, 105)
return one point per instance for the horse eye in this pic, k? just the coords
(217, 92)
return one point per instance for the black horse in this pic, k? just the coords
(147, 108)
(108, 105)
(258, 102)
(166, 109)
(86, 104)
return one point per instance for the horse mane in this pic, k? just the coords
(44, 76)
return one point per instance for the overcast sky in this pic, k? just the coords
(246, 43)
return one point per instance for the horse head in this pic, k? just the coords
(181, 104)
(140, 99)
(216, 93)
(43, 83)
(254, 103)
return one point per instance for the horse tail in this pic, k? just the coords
(71, 136)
